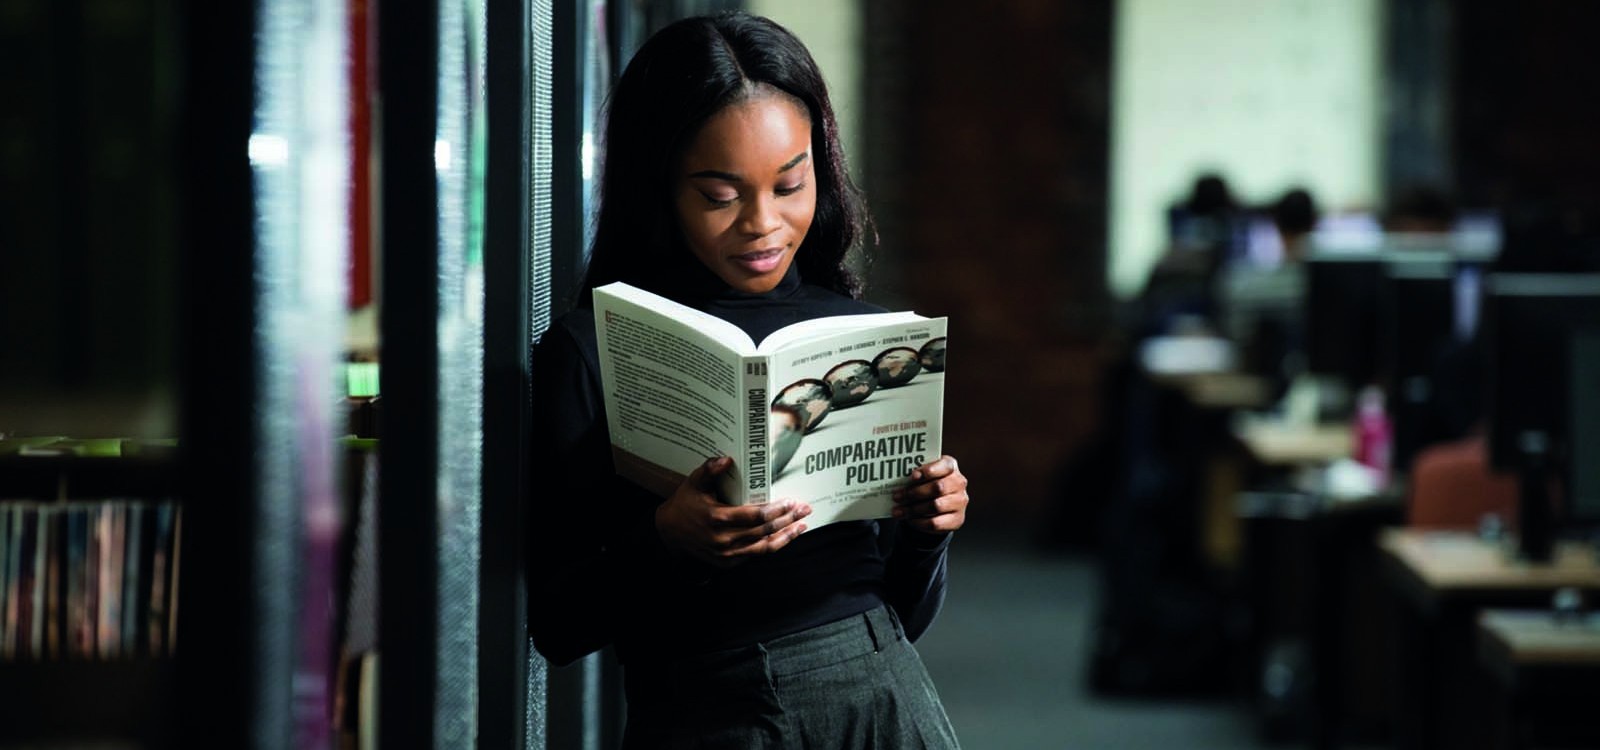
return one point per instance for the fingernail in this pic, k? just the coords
(915, 475)
(899, 512)
(805, 510)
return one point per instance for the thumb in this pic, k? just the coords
(704, 475)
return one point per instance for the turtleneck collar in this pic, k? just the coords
(695, 285)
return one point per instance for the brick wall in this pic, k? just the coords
(986, 162)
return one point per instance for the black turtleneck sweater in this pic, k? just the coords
(598, 572)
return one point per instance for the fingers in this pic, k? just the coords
(942, 466)
(764, 545)
(941, 477)
(939, 524)
(725, 535)
(704, 476)
(936, 499)
(931, 489)
(749, 524)
(773, 529)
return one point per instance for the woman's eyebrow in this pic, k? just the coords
(717, 174)
(792, 163)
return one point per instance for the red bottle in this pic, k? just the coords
(1374, 433)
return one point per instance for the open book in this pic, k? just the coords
(834, 412)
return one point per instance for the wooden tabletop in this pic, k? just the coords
(1219, 390)
(1534, 637)
(1277, 444)
(1442, 564)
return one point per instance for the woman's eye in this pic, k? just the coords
(718, 201)
(791, 190)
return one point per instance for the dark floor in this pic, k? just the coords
(1009, 651)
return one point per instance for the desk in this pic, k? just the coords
(1310, 563)
(1547, 673)
(1276, 444)
(1436, 568)
(1218, 390)
(1442, 579)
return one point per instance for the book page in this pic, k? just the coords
(671, 390)
(807, 329)
(706, 324)
(853, 413)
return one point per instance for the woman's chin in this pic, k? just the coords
(743, 281)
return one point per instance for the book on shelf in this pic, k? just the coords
(833, 411)
(87, 580)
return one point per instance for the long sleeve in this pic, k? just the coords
(914, 575)
(587, 532)
(598, 572)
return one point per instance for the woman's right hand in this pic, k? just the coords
(695, 522)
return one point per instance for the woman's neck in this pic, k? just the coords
(695, 285)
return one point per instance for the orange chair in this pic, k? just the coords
(1452, 487)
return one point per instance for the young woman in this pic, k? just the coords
(724, 188)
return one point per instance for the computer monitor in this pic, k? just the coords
(1258, 242)
(1540, 330)
(1416, 322)
(1341, 316)
(1348, 232)
(1468, 300)
(1583, 484)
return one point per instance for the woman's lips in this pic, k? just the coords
(760, 261)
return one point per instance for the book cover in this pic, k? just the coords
(835, 411)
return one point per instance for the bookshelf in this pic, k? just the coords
(90, 701)
(132, 271)
(87, 477)
(95, 665)
(230, 325)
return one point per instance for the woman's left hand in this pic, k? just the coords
(936, 500)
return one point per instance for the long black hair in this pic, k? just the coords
(683, 75)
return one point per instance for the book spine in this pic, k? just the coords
(77, 591)
(106, 609)
(94, 550)
(176, 558)
(161, 562)
(53, 583)
(8, 515)
(29, 584)
(132, 575)
(757, 473)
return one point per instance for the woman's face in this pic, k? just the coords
(747, 191)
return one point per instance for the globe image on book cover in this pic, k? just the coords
(783, 432)
(896, 366)
(932, 355)
(812, 398)
(852, 382)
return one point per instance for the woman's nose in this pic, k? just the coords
(760, 217)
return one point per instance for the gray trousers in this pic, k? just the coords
(851, 684)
